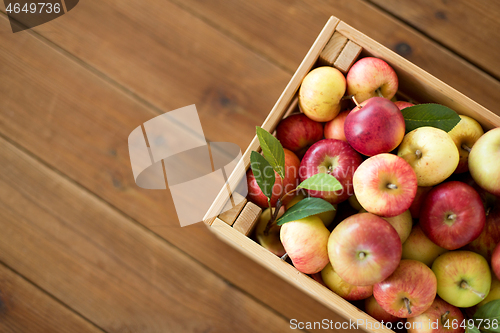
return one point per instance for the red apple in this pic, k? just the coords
(370, 77)
(255, 195)
(495, 261)
(441, 317)
(490, 236)
(297, 133)
(409, 291)
(376, 127)
(452, 215)
(376, 311)
(334, 129)
(403, 105)
(364, 249)
(385, 185)
(336, 158)
(416, 205)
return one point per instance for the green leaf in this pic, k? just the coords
(474, 329)
(304, 208)
(434, 115)
(272, 150)
(490, 313)
(263, 173)
(321, 182)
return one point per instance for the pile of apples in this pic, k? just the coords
(417, 231)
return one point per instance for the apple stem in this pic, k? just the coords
(444, 317)
(465, 285)
(407, 304)
(379, 93)
(392, 186)
(418, 153)
(465, 147)
(451, 216)
(361, 255)
(347, 97)
(284, 257)
(356, 102)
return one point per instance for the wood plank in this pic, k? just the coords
(468, 28)
(348, 56)
(26, 308)
(283, 30)
(80, 127)
(230, 212)
(248, 218)
(106, 267)
(332, 49)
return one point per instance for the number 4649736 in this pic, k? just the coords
(40, 7)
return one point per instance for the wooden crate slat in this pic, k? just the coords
(247, 219)
(347, 56)
(230, 213)
(332, 50)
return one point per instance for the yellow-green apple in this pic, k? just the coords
(364, 249)
(290, 182)
(452, 215)
(334, 129)
(306, 241)
(370, 77)
(483, 161)
(326, 217)
(297, 133)
(463, 278)
(320, 93)
(403, 104)
(419, 247)
(495, 261)
(494, 293)
(376, 311)
(335, 157)
(385, 185)
(416, 205)
(409, 291)
(465, 134)
(353, 201)
(271, 239)
(376, 127)
(402, 223)
(441, 317)
(432, 154)
(342, 288)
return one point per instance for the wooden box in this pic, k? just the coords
(338, 45)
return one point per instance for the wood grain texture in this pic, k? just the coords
(332, 50)
(230, 212)
(106, 267)
(80, 127)
(347, 56)
(296, 23)
(468, 28)
(249, 216)
(24, 308)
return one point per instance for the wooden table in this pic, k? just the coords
(82, 248)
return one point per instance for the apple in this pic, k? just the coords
(483, 161)
(409, 291)
(385, 185)
(306, 241)
(419, 247)
(271, 240)
(336, 158)
(353, 201)
(465, 134)
(364, 249)
(320, 93)
(326, 217)
(494, 293)
(370, 77)
(432, 154)
(402, 223)
(495, 261)
(441, 317)
(334, 129)
(416, 205)
(255, 195)
(297, 133)
(490, 236)
(342, 288)
(463, 278)
(403, 105)
(452, 215)
(377, 126)
(377, 312)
